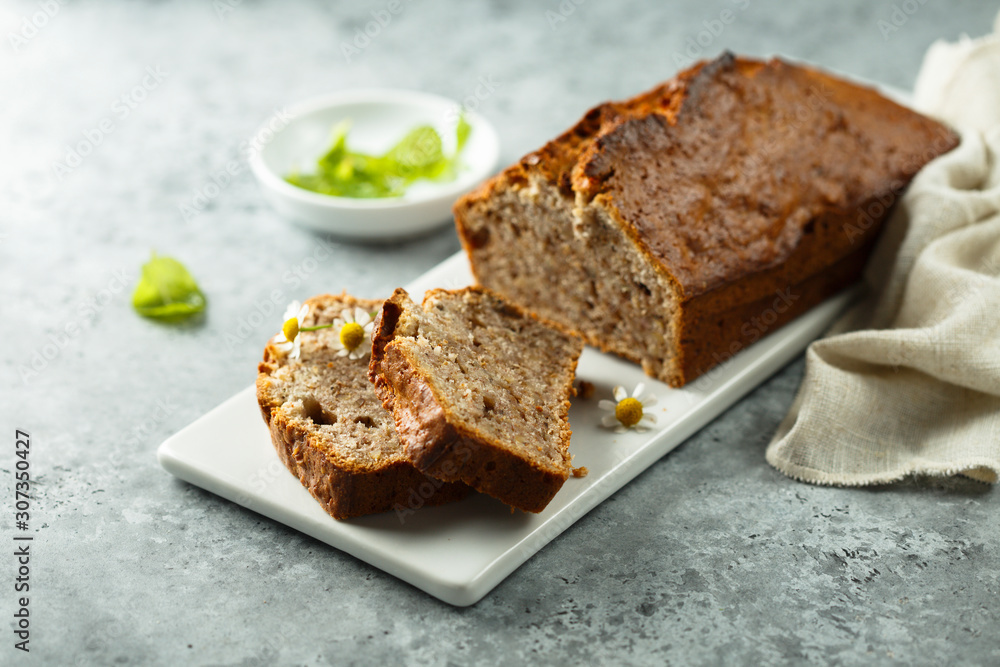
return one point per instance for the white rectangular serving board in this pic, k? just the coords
(459, 552)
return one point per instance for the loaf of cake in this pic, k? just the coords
(479, 391)
(676, 228)
(329, 428)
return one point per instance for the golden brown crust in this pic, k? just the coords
(347, 492)
(738, 193)
(438, 444)
(383, 331)
(710, 337)
(345, 487)
(738, 180)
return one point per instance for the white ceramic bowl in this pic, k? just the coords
(294, 141)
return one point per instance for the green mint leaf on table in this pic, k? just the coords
(167, 291)
(419, 155)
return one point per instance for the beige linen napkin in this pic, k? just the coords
(914, 388)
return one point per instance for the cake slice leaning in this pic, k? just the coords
(479, 391)
(328, 427)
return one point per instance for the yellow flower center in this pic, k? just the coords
(291, 329)
(351, 335)
(628, 412)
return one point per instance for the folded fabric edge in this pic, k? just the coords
(986, 472)
(942, 60)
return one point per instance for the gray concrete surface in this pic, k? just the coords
(709, 557)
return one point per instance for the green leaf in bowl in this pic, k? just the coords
(342, 172)
(417, 155)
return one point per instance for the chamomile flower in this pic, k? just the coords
(629, 411)
(289, 341)
(354, 333)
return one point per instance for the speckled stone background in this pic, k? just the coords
(709, 557)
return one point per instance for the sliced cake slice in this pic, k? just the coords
(329, 428)
(479, 391)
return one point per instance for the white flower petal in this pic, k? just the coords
(646, 417)
(361, 316)
(619, 393)
(280, 339)
(292, 311)
(639, 428)
(605, 404)
(342, 352)
(649, 400)
(639, 389)
(296, 346)
(368, 327)
(620, 428)
(609, 420)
